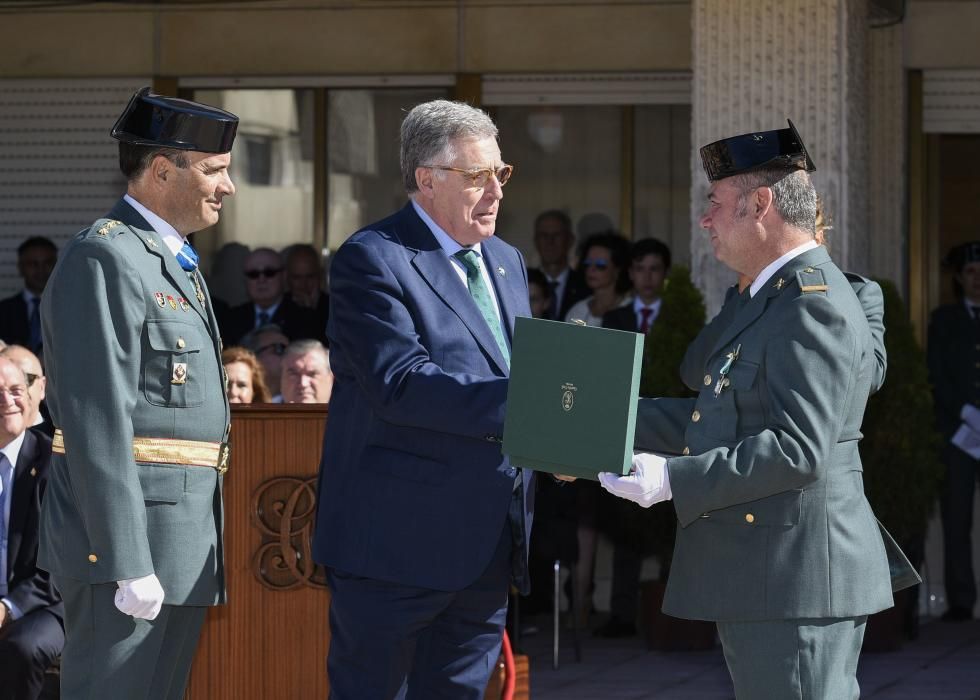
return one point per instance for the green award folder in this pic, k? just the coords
(571, 400)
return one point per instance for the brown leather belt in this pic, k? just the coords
(186, 453)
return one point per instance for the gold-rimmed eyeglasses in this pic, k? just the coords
(481, 176)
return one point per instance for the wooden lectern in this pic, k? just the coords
(270, 641)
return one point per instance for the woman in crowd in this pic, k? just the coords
(246, 378)
(603, 263)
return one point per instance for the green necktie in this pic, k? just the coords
(481, 295)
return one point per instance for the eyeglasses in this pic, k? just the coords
(598, 263)
(31, 378)
(264, 272)
(277, 348)
(481, 176)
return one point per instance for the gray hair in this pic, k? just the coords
(430, 130)
(304, 347)
(251, 339)
(793, 195)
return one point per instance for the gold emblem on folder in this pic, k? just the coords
(568, 396)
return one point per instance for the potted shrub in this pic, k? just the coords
(902, 471)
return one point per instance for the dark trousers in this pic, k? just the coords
(27, 648)
(625, 596)
(389, 640)
(956, 505)
(111, 655)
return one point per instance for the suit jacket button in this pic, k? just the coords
(707, 380)
(180, 343)
(749, 518)
(92, 558)
(687, 451)
(696, 416)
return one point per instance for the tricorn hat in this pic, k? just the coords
(962, 254)
(780, 148)
(169, 122)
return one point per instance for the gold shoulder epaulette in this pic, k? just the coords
(811, 280)
(107, 226)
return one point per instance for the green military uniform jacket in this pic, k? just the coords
(767, 484)
(129, 352)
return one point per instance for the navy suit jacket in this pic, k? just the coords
(296, 322)
(413, 487)
(29, 588)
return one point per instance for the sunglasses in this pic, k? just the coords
(481, 176)
(264, 272)
(598, 263)
(276, 348)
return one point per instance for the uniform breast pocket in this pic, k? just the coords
(735, 406)
(172, 366)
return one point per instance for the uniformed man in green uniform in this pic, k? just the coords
(777, 542)
(131, 527)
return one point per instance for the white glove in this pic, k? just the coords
(140, 597)
(646, 484)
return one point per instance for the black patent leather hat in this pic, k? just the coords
(747, 152)
(169, 122)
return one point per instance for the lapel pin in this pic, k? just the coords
(501, 271)
(33, 471)
(161, 302)
(150, 242)
(183, 304)
(172, 302)
(779, 283)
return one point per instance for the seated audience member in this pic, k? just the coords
(265, 284)
(604, 261)
(539, 292)
(304, 284)
(649, 265)
(306, 375)
(36, 384)
(31, 613)
(246, 378)
(553, 241)
(268, 344)
(20, 315)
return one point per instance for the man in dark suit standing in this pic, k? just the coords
(649, 265)
(20, 315)
(268, 303)
(553, 239)
(954, 370)
(304, 280)
(31, 613)
(422, 521)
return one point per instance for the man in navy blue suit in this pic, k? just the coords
(422, 522)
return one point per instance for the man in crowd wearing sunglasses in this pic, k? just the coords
(422, 521)
(267, 303)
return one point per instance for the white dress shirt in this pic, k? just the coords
(772, 268)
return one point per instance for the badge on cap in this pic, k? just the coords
(179, 374)
(161, 302)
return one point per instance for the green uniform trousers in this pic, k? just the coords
(111, 655)
(794, 659)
